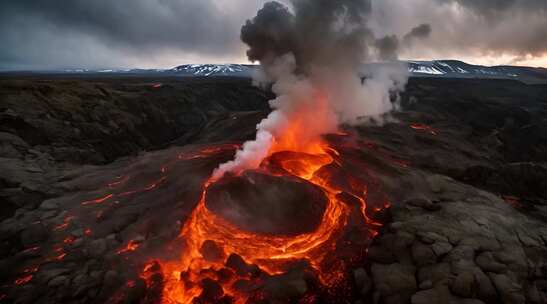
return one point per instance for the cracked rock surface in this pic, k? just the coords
(463, 166)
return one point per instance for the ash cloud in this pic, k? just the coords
(313, 54)
(421, 31)
(387, 47)
(315, 32)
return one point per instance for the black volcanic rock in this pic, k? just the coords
(459, 238)
(267, 204)
(95, 121)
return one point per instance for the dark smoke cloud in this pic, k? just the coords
(422, 31)
(312, 55)
(322, 32)
(388, 47)
(271, 33)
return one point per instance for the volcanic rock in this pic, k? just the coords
(423, 254)
(286, 286)
(485, 247)
(211, 293)
(362, 280)
(463, 285)
(262, 203)
(509, 291)
(395, 283)
(487, 262)
(58, 281)
(97, 248)
(423, 203)
(33, 235)
(212, 252)
(237, 264)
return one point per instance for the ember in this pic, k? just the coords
(513, 201)
(32, 249)
(24, 280)
(60, 256)
(121, 180)
(131, 246)
(423, 128)
(31, 270)
(64, 225)
(69, 240)
(98, 200)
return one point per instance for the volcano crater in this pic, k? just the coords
(266, 204)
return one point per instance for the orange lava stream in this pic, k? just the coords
(269, 252)
(424, 128)
(131, 246)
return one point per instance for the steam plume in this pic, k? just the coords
(313, 55)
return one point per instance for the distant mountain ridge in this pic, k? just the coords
(459, 69)
(214, 70)
(435, 68)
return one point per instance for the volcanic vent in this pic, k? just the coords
(288, 215)
(266, 204)
(299, 217)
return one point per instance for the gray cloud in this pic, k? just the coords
(486, 31)
(490, 8)
(315, 32)
(388, 47)
(104, 32)
(129, 33)
(421, 31)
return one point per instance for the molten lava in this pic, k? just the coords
(24, 280)
(230, 261)
(270, 253)
(131, 246)
(200, 270)
(423, 128)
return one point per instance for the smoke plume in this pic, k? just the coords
(422, 31)
(313, 55)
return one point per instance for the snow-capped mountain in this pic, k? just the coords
(214, 70)
(436, 68)
(453, 68)
(459, 69)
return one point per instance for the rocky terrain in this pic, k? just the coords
(463, 165)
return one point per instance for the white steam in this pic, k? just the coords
(317, 103)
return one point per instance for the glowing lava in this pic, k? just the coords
(423, 128)
(213, 244)
(270, 253)
(131, 246)
(184, 279)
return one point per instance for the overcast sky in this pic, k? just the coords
(50, 34)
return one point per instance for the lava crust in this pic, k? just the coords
(266, 204)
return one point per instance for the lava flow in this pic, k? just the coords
(212, 242)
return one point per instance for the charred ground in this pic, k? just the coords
(464, 167)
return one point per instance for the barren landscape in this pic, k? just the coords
(107, 196)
